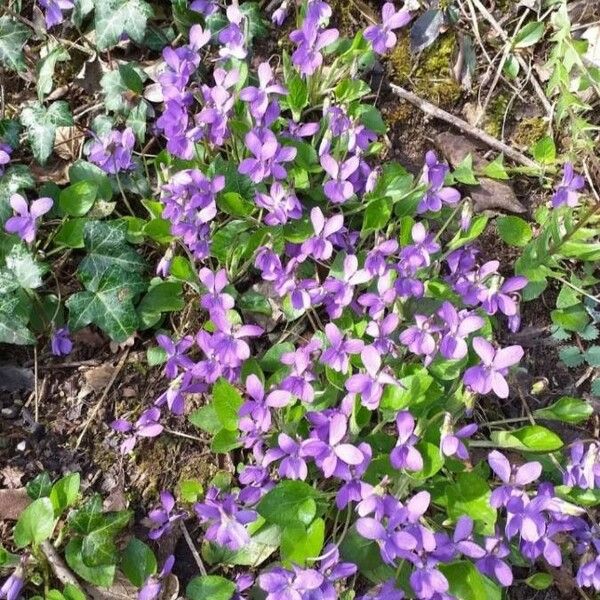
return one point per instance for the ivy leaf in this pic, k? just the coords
(116, 17)
(41, 124)
(107, 304)
(22, 269)
(13, 329)
(13, 35)
(138, 562)
(106, 245)
(45, 70)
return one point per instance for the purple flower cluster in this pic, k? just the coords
(112, 152)
(25, 222)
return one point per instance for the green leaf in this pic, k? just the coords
(13, 36)
(544, 151)
(377, 215)
(87, 518)
(138, 562)
(70, 233)
(531, 438)
(571, 356)
(234, 204)
(285, 502)
(45, 70)
(371, 118)
(39, 487)
(7, 559)
(210, 587)
(262, 544)
(514, 231)
(103, 575)
(116, 17)
(41, 124)
(572, 318)
(227, 402)
(566, 409)
(206, 418)
(13, 328)
(35, 524)
(297, 97)
(81, 170)
(107, 247)
(529, 35)
(466, 582)
(592, 356)
(495, 169)
(365, 554)
(254, 302)
(77, 199)
(72, 592)
(587, 498)
(299, 543)
(470, 495)
(108, 305)
(511, 67)
(131, 78)
(65, 492)
(539, 581)
(464, 172)
(190, 490)
(162, 297)
(224, 441)
(348, 90)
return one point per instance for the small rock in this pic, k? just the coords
(12, 503)
(15, 379)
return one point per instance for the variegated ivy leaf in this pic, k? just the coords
(41, 124)
(109, 305)
(13, 35)
(107, 246)
(13, 328)
(45, 70)
(117, 17)
(22, 269)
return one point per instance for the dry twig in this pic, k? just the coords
(439, 113)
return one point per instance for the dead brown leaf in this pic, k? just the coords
(12, 503)
(490, 194)
(12, 476)
(97, 378)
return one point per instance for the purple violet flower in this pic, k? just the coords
(337, 354)
(11, 588)
(588, 574)
(5, 152)
(297, 584)
(459, 324)
(491, 373)
(405, 455)
(25, 224)
(215, 301)
(205, 7)
(513, 477)
(370, 385)
(311, 39)
(112, 152)
(161, 519)
(493, 564)
(451, 443)
(292, 465)
(176, 358)
(319, 247)
(226, 521)
(333, 456)
(53, 11)
(153, 586)
(60, 342)
(280, 203)
(567, 192)
(258, 97)
(232, 36)
(268, 156)
(146, 426)
(583, 468)
(338, 189)
(382, 36)
(434, 173)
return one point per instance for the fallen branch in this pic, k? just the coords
(59, 568)
(438, 113)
